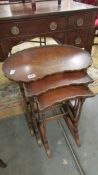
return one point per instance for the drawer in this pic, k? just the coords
(32, 27)
(78, 38)
(80, 20)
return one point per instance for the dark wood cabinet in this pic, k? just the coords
(72, 23)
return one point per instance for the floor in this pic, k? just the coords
(24, 157)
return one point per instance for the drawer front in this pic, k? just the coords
(80, 20)
(78, 38)
(32, 27)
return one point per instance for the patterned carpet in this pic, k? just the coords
(11, 101)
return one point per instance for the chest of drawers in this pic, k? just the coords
(71, 24)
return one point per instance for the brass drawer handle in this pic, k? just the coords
(80, 22)
(53, 25)
(15, 30)
(78, 40)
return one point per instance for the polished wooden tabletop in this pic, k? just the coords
(43, 7)
(35, 63)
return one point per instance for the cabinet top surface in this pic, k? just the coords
(15, 11)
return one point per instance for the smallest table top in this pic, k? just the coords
(35, 63)
(55, 96)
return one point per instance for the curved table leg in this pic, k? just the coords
(2, 164)
(73, 116)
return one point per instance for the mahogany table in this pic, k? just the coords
(72, 23)
(50, 76)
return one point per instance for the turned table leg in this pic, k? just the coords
(27, 107)
(44, 135)
(35, 121)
